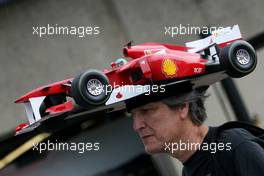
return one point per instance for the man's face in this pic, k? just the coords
(156, 124)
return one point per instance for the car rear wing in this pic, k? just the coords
(221, 37)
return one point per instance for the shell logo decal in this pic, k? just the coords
(169, 68)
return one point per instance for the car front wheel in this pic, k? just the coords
(90, 89)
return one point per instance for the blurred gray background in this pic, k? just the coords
(28, 61)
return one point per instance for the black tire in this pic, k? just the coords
(90, 97)
(238, 58)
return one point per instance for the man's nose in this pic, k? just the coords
(138, 123)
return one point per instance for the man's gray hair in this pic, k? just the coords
(195, 99)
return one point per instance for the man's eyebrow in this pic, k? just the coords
(144, 107)
(149, 106)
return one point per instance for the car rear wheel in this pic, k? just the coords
(90, 89)
(238, 58)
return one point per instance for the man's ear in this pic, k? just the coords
(184, 110)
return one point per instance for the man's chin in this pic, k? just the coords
(152, 145)
(153, 149)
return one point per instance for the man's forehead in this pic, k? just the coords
(175, 98)
(151, 104)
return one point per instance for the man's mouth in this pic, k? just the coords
(146, 136)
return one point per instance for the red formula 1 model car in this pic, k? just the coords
(200, 63)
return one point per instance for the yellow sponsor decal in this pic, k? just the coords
(169, 68)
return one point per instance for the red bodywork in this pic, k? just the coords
(54, 88)
(147, 58)
(152, 61)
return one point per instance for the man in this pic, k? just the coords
(174, 125)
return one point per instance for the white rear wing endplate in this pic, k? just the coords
(220, 37)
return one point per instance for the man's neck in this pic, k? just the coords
(195, 134)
